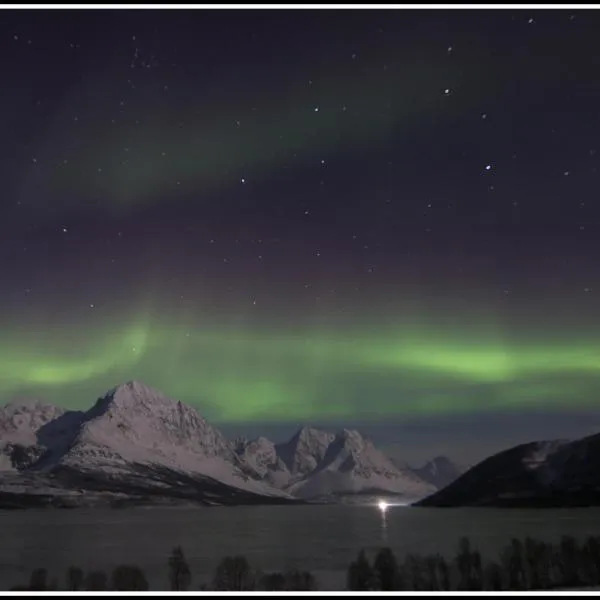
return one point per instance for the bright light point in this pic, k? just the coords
(316, 109)
(447, 91)
(383, 506)
(488, 167)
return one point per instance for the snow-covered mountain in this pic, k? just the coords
(305, 451)
(133, 439)
(29, 429)
(135, 442)
(261, 456)
(319, 464)
(440, 472)
(537, 474)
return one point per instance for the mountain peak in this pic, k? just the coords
(305, 450)
(440, 471)
(308, 432)
(135, 395)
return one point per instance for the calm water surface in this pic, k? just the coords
(322, 539)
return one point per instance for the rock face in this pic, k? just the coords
(318, 464)
(261, 456)
(30, 429)
(439, 472)
(134, 442)
(137, 445)
(538, 474)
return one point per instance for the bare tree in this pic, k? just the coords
(233, 573)
(180, 576)
(360, 574)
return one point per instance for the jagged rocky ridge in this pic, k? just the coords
(439, 472)
(137, 446)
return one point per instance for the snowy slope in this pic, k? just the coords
(29, 428)
(440, 472)
(316, 463)
(136, 425)
(305, 451)
(261, 455)
(135, 440)
(351, 465)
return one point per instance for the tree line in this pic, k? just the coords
(522, 565)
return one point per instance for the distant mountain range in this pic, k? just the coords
(555, 473)
(136, 446)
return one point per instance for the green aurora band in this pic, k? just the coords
(244, 372)
(250, 376)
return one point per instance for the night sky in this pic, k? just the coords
(386, 219)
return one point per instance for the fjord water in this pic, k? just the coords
(322, 539)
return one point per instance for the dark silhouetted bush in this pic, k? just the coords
(299, 581)
(19, 588)
(444, 573)
(492, 578)
(128, 578)
(386, 570)
(233, 573)
(469, 566)
(272, 582)
(95, 581)
(360, 576)
(74, 579)
(513, 564)
(38, 582)
(431, 566)
(590, 559)
(180, 576)
(569, 553)
(415, 574)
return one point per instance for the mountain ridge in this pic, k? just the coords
(135, 437)
(550, 473)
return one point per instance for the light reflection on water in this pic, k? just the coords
(323, 539)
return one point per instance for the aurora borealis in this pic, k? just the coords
(303, 216)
